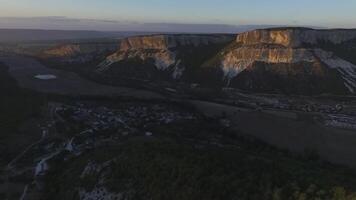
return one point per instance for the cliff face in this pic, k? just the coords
(160, 42)
(291, 49)
(237, 60)
(295, 37)
(166, 52)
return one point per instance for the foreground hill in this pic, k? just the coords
(279, 60)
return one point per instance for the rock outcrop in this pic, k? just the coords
(289, 49)
(295, 37)
(170, 41)
(237, 60)
(163, 51)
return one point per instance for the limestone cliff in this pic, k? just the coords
(237, 60)
(170, 41)
(289, 49)
(295, 37)
(165, 51)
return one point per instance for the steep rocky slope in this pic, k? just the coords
(169, 57)
(293, 60)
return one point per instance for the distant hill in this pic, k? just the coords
(66, 23)
(23, 35)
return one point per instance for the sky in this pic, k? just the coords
(320, 13)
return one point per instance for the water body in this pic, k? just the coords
(45, 76)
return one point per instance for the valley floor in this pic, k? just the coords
(25, 70)
(138, 144)
(138, 149)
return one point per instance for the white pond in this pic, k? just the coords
(45, 76)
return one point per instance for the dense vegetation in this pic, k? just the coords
(179, 164)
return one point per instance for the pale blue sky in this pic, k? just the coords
(328, 13)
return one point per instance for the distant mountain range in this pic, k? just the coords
(64, 28)
(64, 23)
(30, 35)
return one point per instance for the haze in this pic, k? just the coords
(140, 15)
